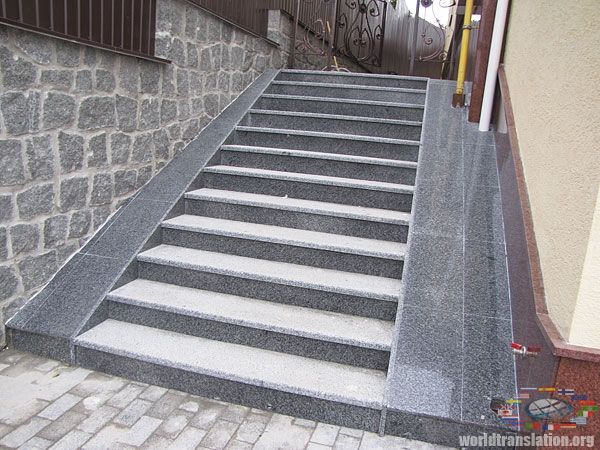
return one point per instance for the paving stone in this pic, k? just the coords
(153, 393)
(24, 238)
(120, 145)
(157, 443)
(219, 434)
(97, 112)
(98, 383)
(346, 442)
(142, 148)
(188, 439)
(35, 46)
(97, 155)
(6, 208)
(133, 412)
(4, 430)
(234, 413)
(249, 431)
(129, 74)
(57, 79)
(105, 80)
(141, 431)
(98, 419)
(83, 81)
(315, 446)
(305, 423)
(60, 406)
(80, 223)
(47, 366)
(60, 427)
(11, 163)
(282, 433)
(173, 425)
(35, 201)
(102, 189)
(70, 150)
(238, 445)
(16, 71)
(23, 433)
(149, 77)
(352, 432)
(209, 411)
(59, 110)
(72, 441)
(37, 270)
(125, 396)
(126, 113)
(325, 434)
(167, 404)
(36, 443)
(55, 231)
(40, 157)
(150, 114)
(73, 193)
(192, 407)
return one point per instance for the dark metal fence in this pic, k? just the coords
(126, 26)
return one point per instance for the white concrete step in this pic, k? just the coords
(247, 312)
(238, 363)
(288, 236)
(347, 283)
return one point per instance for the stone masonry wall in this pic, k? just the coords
(82, 129)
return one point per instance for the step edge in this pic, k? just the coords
(348, 86)
(354, 74)
(276, 112)
(342, 100)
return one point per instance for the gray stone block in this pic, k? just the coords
(191, 129)
(97, 155)
(149, 116)
(177, 53)
(36, 201)
(175, 131)
(3, 244)
(24, 238)
(70, 150)
(168, 83)
(68, 54)
(205, 60)
(37, 270)
(37, 47)
(144, 175)
(184, 109)
(97, 112)
(129, 74)
(211, 104)
(40, 157)
(210, 82)
(120, 147)
(102, 189)
(59, 110)
(89, 56)
(161, 144)
(16, 71)
(126, 113)
(143, 148)
(100, 215)
(195, 81)
(105, 80)
(21, 113)
(58, 79)
(55, 231)
(124, 182)
(168, 111)
(80, 223)
(149, 77)
(192, 55)
(9, 282)
(183, 86)
(12, 170)
(83, 81)
(6, 207)
(73, 193)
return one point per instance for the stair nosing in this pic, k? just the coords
(343, 100)
(296, 177)
(118, 297)
(148, 256)
(276, 112)
(354, 74)
(128, 348)
(347, 137)
(203, 195)
(341, 157)
(276, 238)
(348, 86)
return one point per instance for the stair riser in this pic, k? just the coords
(385, 130)
(243, 335)
(400, 152)
(309, 191)
(230, 391)
(284, 253)
(343, 169)
(301, 220)
(326, 77)
(356, 94)
(264, 290)
(345, 109)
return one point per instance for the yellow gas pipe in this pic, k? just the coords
(459, 96)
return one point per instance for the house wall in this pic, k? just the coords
(551, 62)
(82, 129)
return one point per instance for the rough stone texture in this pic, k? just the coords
(82, 129)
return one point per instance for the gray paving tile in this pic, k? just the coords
(72, 441)
(23, 433)
(219, 434)
(325, 434)
(189, 438)
(60, 406)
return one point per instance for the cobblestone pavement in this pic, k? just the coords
(46, 404)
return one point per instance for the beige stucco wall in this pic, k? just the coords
(553, 69)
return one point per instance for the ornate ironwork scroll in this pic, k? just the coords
(360, 30)
(314, 33)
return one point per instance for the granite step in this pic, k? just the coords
(357, 92)
(342, 106)
(288, 212)
(281, 382)
(293, 284)
(393, 81)
(328, 336)
(347, 144)
(364, 126)
(348, 191)
(320, 163)
(304, 247)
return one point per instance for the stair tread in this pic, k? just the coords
(346, 283)
(321, 155)
(301, 205)
(311, 178)
(322, 134)
(289, 236)
(249, 365)
(347, 86)
(343, 100)
(335, 117)
(351, 75)
(253, 313)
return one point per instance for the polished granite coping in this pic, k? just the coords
(83, 282)
(451, 351)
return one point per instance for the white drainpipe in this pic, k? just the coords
(493, 64)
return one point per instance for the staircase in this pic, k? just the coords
(277, 281)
